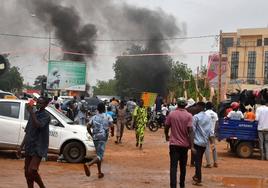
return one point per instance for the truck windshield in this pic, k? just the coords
(61, 115)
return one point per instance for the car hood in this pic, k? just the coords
(76, 127)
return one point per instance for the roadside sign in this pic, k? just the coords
(67, 75)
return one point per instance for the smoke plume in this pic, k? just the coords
(115, 19)
(65, 21)
(147, 73)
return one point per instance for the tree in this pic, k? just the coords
(11, 80)
(105, 87)
(136, 74)
(40, 81)
(181, 79)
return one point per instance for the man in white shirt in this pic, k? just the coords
(214, 118)
(262, 117)
(235, 114)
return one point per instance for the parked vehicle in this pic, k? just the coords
(73, 141)
(156, 121)
(92, 103)
(4, 94)
(240, 134)
(128, 119)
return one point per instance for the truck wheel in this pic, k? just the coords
(244, 149)
(74, 152)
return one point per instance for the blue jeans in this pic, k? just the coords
(207, 154)
(100, 148)
(263, 141)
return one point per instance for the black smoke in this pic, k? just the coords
(117, 20)
(154, 27)
(66, 23)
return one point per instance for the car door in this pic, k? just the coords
(10, 123)
(24, 121)
(55, 130)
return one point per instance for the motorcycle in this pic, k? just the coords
(156, 121)
(128, 119)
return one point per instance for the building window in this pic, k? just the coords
(259, 42)
(238, 42)
(251, 67)
(234, 65)
(265, 41)
(266, 67)
(226, 43)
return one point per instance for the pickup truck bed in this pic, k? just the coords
(242, 135)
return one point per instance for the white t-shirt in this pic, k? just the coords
(235, 115)
(172, 107)
(164, 110)
(214, 118)
(262, 117)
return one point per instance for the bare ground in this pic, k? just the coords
(125, 166)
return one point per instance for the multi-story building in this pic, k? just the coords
(247, 54)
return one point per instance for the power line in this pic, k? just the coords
(57, 49)
(114, 40)
(23, 36)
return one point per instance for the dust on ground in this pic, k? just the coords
(125, 166)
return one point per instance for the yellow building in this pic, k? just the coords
(247, 54)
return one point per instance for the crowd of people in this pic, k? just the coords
(188, 125)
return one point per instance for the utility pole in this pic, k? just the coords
(219, 69)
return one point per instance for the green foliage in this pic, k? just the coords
(105, 87)
(141, 73)
(38, 81)
(11, 80)
(179, 73)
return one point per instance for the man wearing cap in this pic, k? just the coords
(191, 108)
(180, 123)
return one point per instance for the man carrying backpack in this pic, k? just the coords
(82, 111)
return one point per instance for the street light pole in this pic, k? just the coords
(49, 42)
(219, 69)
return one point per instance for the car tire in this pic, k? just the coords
(244, 149)
(74, 152)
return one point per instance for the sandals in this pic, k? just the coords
(196, 181)
(86, 169)
(87, 172)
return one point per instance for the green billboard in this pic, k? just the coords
(67, 75)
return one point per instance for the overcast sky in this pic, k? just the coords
(201, 17)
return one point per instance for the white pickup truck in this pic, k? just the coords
(73, 141)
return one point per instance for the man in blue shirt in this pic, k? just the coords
(202, 135)
(35, 141)
(99, 125)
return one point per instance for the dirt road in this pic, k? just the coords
(125, 166)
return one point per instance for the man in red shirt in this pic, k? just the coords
(180, 123)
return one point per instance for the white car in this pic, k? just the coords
(73, 141)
